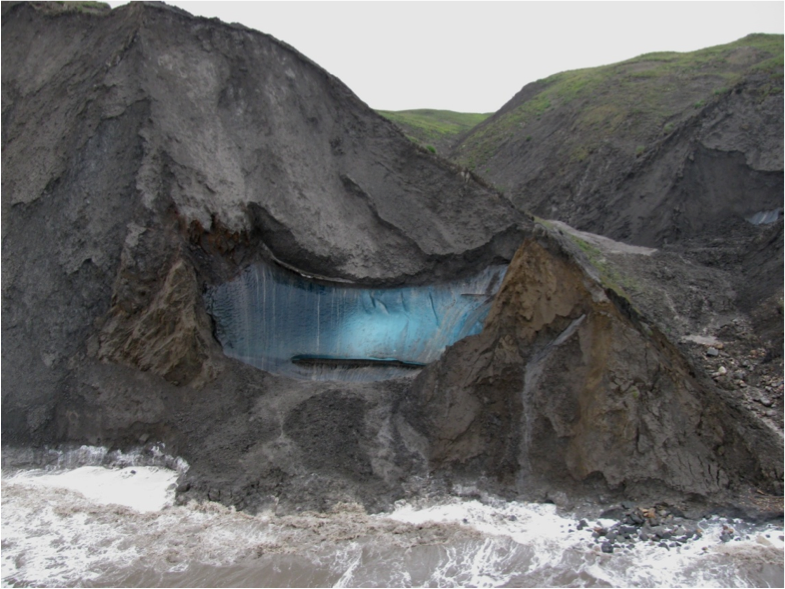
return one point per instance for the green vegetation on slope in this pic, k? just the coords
(434, 127)
(641, 98)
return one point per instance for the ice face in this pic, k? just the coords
(284, 323)
(765, 217)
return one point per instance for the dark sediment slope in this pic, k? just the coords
(149, 156)
(680, 151)
(569, 389)
(235, 133)
(658, 149)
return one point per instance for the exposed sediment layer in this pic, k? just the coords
(568, 386)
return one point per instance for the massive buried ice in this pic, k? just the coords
(283, 323)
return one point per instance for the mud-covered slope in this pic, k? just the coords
(233, 128)
(570, 389)
(654, 150)
(148, 154)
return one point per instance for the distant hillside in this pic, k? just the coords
(435, 128)
(650, 150)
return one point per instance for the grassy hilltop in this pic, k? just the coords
(434, 128)
(652, 150)
(634, 101)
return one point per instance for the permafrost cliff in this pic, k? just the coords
(151, 160)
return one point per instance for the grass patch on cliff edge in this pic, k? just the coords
(610, 277)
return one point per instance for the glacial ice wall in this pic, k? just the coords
(283, 323)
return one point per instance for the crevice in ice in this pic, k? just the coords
(283, 323)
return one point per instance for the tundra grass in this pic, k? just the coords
(641, 98)
(429, 126)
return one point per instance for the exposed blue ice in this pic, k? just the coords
(765, 217)
(283, 323)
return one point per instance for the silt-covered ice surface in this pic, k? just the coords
(284, 323)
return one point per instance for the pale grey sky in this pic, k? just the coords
(474, 56)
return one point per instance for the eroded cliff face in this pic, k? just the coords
(232, 129)
(149, 156)
(569, 389)
(654, 150)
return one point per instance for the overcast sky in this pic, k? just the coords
(474, 56)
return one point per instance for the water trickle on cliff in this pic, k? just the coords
(283, 323)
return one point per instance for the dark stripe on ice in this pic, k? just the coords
(311, 360)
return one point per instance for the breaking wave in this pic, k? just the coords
(99, 526)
